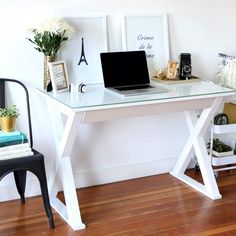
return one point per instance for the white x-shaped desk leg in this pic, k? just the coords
(65, 135)
(195, 142)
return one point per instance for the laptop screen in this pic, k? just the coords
(124, 68)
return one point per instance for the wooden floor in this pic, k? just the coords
(158, 205)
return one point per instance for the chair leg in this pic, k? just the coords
(20, 180)
(38, 169)
(41, 175)
(46, 202)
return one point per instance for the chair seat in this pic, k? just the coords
(29, 163)
(37, 155)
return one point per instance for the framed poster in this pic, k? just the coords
(149, 33)
(82, 51)
(59, 77)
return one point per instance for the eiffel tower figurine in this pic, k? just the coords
(82, 57)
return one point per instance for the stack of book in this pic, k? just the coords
(14, 144)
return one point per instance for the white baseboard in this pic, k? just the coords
(124, 172)
(92, 177)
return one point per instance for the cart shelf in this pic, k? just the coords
(224, 129)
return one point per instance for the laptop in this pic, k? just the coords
(126, 73)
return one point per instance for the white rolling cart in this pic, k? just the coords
(221, 160)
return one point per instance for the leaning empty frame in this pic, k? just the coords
(149, 33)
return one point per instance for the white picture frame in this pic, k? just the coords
(92, 31)
(59, 78)
(149, 33)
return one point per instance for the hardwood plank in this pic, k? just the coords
(157, 205)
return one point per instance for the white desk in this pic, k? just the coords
(99, 105)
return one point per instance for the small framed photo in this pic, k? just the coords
(59, 77)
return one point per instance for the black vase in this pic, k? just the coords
(49, 86)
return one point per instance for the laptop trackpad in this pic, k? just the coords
(149, 89)
(137, 87)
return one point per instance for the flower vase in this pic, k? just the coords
(47, 85)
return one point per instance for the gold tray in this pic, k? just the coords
(176, 81)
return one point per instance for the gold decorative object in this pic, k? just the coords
(172, 70)
(161, 74)
(47, 78)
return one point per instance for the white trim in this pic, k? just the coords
(85, 178)
(123, 172)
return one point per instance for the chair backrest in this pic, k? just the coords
(3, 102)
(2, 94)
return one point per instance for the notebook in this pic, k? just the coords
(126, 73)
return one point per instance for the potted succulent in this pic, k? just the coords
(8, 117)
(221, 149)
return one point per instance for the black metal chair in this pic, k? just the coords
(33, 163)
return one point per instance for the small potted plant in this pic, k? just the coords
(8, 117)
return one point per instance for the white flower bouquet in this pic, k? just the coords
(49, 35)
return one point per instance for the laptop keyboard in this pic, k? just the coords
(134, 87)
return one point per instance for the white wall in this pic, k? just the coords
(121, 149)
